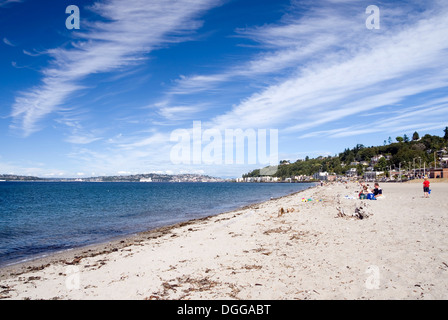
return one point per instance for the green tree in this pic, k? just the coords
(359, 169)
(405, 138)
(381, 164)
(415, 136)
(399, 139)
(367, 154)
(446, 133)
(336, 165)
(350, 158)
(433, 143)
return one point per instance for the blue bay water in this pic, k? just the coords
(39, 218)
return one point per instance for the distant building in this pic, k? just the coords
(352, 172)
(321, 176)
(372, 175)
(437, 173)
(258, 179)
(375, 159)
(444, 161)
(302, 178)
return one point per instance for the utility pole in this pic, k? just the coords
(420, 168)
(435, 163)
(413, 162)
(409, 170)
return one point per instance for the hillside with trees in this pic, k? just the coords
(404, 152)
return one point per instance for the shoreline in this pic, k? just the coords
(112, 245)
(333, 247)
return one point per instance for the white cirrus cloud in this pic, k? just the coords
(130, 30)
(4, 3)
(8, 42)
(364, 72)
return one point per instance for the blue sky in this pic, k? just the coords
(105, 99)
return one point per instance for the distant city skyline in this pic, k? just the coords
(104, 97)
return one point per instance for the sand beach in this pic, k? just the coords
(333, 246)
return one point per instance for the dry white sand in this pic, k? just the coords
(398, 252)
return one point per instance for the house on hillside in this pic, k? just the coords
(352, 172)
(444, 161)
(375, 159)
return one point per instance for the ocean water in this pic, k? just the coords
(39, 218)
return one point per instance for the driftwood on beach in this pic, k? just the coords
(359, 211)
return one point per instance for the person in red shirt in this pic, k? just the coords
(426, 188)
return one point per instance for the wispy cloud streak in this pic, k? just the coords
(4, 3)
(133, 29)
(363, 71)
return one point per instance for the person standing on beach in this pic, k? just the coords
(426, 188)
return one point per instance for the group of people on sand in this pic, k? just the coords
(377, 192)
(370, 194)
